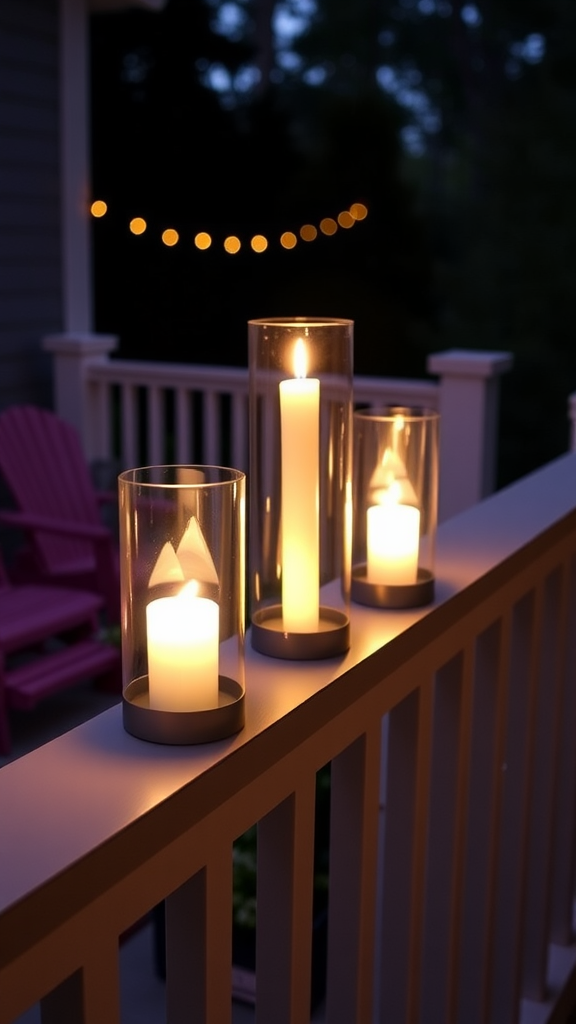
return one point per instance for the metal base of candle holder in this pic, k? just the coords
(183, 727)
(384, 595)
(331, 639)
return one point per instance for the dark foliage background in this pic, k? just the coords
(455, 124)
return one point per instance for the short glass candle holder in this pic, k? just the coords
(182, 577)
(395, 499)
(300, 486)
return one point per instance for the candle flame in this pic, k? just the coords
(389, 495)
(300, 360)
(190, 589)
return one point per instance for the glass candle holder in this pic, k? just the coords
(395, 498)
(300, 485)
(182, 577)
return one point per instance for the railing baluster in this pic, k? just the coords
(239, 431)
(354, 812)
(155, 434)
(484, 802)
(284, 909)
(542, 781)
(199, 946)
(128, 428)
(509, 910)
(447, 823)
(211, 429)
(404, 855)
(565, 841)
(90, 996)
(182, 426)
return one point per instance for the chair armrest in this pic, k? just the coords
(32, 521)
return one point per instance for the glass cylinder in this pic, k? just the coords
(300, 485)
(182, 577)
(395, 499)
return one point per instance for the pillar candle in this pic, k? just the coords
(300, 447)
(182, 637)
(393, 532)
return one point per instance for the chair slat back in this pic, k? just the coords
(45, 470)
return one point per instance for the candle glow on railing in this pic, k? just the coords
(300, 428)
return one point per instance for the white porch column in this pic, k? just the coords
(469, 405)
(74, 399)
(75, 167)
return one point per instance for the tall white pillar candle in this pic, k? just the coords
(393, 533)
(182, 636)
(300, 448)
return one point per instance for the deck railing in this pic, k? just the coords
(452, 846)
(143, 413)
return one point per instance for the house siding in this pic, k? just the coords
(30, 256)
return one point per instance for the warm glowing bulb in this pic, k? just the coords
(138, 225)
(98, 208)
(300, 359)
(170, 236)
(345, 219)
(288, 240)
(202, 240)
(259, 243)
(358, 211)
(308, 232)
(232, 244)
(328, 226)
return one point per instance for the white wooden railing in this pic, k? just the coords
(452, 857)
(142, 413)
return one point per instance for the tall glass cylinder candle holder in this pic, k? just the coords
(395, 500)
(182, 577)
(300, 485)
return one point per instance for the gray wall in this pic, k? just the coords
(30, 266)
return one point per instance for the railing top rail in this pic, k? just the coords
(139, 372)
(235, 380)
(72, 809)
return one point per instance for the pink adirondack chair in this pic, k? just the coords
(48, 641)
(57, 507)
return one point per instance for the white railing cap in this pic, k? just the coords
(460, 362)
(80, 343)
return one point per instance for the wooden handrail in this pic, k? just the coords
(458, 909)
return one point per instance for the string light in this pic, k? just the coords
(345, 219)
(138, 225)
(358, 211)
(308, 233)
(259, 243)
(328, 226)
(98, 208)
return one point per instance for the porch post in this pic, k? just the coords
(74, 399)
(75, 163)
(469, 405)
